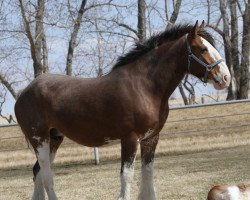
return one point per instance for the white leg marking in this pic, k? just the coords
(234, 193)
(147, 134)
(38, 193)
(147, 190)
(43, 157)
(36, 138)
(126, 179)
(52, 156)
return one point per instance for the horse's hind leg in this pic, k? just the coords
(38, 193)
(55, 140)
(43, 157)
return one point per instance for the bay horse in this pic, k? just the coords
(230, 192)
(130, 104)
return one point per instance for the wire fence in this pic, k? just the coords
(214, 129)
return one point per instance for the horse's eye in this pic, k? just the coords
(203, 50)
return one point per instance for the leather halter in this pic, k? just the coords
(208, 67)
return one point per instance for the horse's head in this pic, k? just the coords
(204, 61)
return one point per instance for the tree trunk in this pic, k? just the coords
(244, 78)
(227, 45)
(141, 20)
(35, 44)
(72, 42)
(176, 11)
(190, 89)
(232, 94)
(38, 67)
(184, 97)
(171, 21)
(45, 54)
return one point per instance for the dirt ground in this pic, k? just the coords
(191, 157)
(178, 177)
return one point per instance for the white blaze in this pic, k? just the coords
(223, 69)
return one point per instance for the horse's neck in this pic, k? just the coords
(160, 70)
(170, 67)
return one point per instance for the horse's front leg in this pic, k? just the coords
(147, 190)
(128, 153)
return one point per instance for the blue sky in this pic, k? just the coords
(58, 41)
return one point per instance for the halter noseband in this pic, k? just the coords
(208, 67)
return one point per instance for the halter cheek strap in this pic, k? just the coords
(208, 67)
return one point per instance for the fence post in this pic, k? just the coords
(202, 99)
(96, 153)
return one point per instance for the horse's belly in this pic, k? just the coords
(91, 139)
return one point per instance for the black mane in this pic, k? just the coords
(169, 34)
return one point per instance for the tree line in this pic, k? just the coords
(84, 38)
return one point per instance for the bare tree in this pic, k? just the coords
(72, 42)
(245, 49)
(37, 43)
(237, 62)
(30, 48)
(227, 43)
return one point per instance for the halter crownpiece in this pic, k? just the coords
(192, 56)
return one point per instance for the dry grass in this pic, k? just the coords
(191, 161)
(178, 177)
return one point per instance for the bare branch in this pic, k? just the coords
(27, 30)
(215, 29)
(104, 4)
(10, 118)
(125, 26)
(166, 8)
(72, 42)
(239, 7)
(116, 33)
(8, 85)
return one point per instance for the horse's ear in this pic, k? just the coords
(194, 32)
(202, 26)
